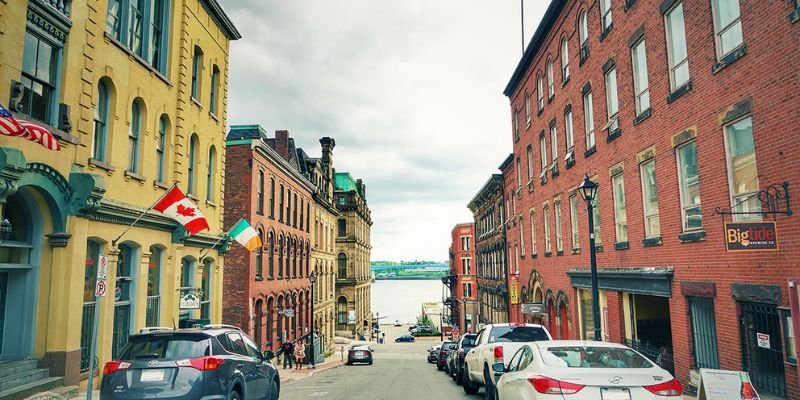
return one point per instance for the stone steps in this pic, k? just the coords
(23, 380)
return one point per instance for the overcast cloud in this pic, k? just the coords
(410, 89)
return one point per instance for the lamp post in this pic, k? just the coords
(313, 279)
(588, 191)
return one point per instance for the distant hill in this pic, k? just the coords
(404, 263)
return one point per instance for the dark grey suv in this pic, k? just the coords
(214, 362)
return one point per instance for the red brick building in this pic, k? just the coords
(463, 283)
(682, 112)
(267, 292)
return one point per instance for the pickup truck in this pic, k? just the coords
(495, 343)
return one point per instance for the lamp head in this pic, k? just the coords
(587, 189)
(5, 229)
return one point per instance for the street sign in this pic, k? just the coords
(288, 312)
(102, 267)
(100, 288)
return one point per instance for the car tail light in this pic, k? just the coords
(749, 392)
(201, 363)
(114, 366)
(498, 354)
(547, 385)
(671, 388)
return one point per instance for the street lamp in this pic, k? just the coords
(312, 278)
(588, 190)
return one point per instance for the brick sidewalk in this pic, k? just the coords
(332, 361)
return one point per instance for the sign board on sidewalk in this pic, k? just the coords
(716, 384)
(762, 339)
(102, 267)
(189, 301)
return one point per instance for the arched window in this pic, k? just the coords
(161, 149)
(280, 205)
(294, 257)
(583, 29)
(260, 193)
(342, 263)
(133, 137)
(197, 65)
(294, 211)
(212, 166)
(100, 139)
(271, 255)
(289, 207)
(212, 106)
(302, 209)
(564, 60)
(551, 81)
(272, 198)
(280, 257)
(341, 311)
(260, 256)
(539, 92)
(258, 322)
(191, 167)
(154, 286)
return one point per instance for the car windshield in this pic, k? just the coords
(517, 334)
(168, 347)
(594, 357)
(450, 346)
(468, 341)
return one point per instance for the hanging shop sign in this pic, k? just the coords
(533, 308)
(513, 291)
(189, 301)
(288, 312)
(751, 236)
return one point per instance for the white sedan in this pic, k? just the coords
(585, 370)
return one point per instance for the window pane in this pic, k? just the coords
(620, 214)
(112, 19)
(731, 38)
(727, 12)
(611, 92)
(743, 170)
(588, 119)
(573, 214)
(676, 41)
(640, 77)
(44, 62)
(650, 199)
(690, 186)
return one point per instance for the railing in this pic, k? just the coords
(152, 311)
(86, 334)
(660, 356)
(61, 6)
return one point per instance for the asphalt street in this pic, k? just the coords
(400, 371)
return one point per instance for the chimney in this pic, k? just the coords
(282, 143)
(327, 148)
(362, 189)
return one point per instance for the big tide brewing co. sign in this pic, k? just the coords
(751, 236)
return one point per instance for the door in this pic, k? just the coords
(762, 352)
(704, 333)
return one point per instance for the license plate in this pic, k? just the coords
(615, 394)
(152, 375)
(359, 353)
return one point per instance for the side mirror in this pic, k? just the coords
(269, 355)
(499, 368)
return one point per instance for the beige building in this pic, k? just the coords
(353, 247)
(137, 100)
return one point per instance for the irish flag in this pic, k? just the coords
(246, 235)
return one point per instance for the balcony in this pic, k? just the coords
(60, 6)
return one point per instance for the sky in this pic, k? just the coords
(411, 90)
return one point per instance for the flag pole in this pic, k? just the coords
(114, 242)
(226, 234)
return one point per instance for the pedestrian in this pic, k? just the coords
(300, 354)
(288, 353)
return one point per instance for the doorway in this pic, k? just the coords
(762, 354)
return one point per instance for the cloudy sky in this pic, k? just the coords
(410, 89)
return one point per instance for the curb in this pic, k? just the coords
(311, 373)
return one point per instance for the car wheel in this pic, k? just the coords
(234, 395)
(489, 389)
(469, 386)
(349, 362)
(370, 362)
(274, 393)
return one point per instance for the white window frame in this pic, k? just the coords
(588, 113)
(554, 143)
(720, 30)
(546, 222)
(606, 19)
(532, 214)
(515, 119)
(620, 208)
(559, 231)
(583, 28)
(682, 191)
(674, 63)
(569, 134)
(543, 153)
(565, 59)
(649, 213)
(527, 108)
(539, 92)
(522, 236)
(574, 225)
(530, 164)
(551, 81)
(612, 99)
(752, 195)
(519, 175)
(641, 86)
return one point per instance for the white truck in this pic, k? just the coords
(496, 343)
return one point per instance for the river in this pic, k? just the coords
(402, 299)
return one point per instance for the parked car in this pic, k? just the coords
(422, 329)
(455, 365)
(397, 322)
(361, 353)
(404, 338)
(444, 350)
(584, 370)
(494, 342)
(412, 327)
(212, 362)
(433, 353)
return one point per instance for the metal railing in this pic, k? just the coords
(61, 6)
(660, 356)
(152, 318)
(86, 334)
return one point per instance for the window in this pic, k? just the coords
(302, 217)
(551, 86)
(519, 174)
(742, 170)
(554, 143)
(294, 210)
(280, 205)
(583, 30)
(142, 26)
(465, 267)
(133, 137)
(543, 153)
(100, 137)
(564, 60)
(260, 256)
(727, 26)
(540, 92)
(272, 198)
(342, 265)
(598, 237)
(342, 228)
(205, 284)
(533, 232)
(546, 212)
(271, 256)
(605, 14)
(612, 102)
(341, 311)
(574, 227)
(288, 219)
(521, 240)
(527, 108)
(689, 183)
(197, 65)
(559, 233)
(515, 121)
(652, 227)
(676, 47)
(211, 172)
(468, 290)
(530, 164)
(788, 332)
(281, 251)
(161, 149)
(465, 243)
(192, 161)
(588, 113)
(260, 193)
(212, 106)
(570, 139)
(154, 286)
(704, 332)
(620, 214)
(39, 78)
(640, 84)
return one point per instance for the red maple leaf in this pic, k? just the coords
(186, 211)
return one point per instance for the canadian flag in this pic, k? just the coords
(176, 205)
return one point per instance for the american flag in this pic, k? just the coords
(9, 126)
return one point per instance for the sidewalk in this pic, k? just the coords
(331, 362)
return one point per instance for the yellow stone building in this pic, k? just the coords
(135, 91)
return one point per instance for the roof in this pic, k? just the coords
(506, 162)
(494, 184)
(214, 9)
(244, 132)
(345, 182)
(549, 19)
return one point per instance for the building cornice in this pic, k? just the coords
(222, 20)
(273, 157)
(491, 188)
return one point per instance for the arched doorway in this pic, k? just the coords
(257, 326)
(279, 317)
(270, 321)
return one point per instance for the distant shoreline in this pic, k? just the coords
(408, 278)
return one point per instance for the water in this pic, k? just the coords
(402, 299)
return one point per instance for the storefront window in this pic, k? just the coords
(789, 337)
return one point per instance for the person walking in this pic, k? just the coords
(288, 353)
(299, 354)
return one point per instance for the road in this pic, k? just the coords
(400, 371)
